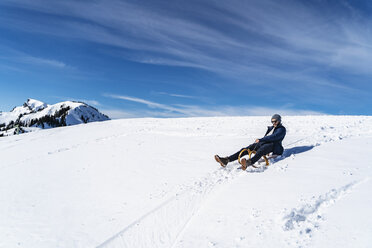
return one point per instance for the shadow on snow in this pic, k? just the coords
(292, 151)
(287, 153)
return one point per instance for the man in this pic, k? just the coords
(271, 142)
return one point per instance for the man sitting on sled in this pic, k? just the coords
(271, 142)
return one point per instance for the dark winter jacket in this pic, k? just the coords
(275, 138)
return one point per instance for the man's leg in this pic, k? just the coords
(236, 155)
(263, 150)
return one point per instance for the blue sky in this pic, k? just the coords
(189, 58)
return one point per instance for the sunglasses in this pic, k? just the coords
(274, 121)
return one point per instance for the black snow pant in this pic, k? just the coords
(260, 148)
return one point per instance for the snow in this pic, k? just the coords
(36, 105)
(154, 183)
(6, 117)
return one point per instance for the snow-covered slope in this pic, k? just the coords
(34, 113)
(154, 183)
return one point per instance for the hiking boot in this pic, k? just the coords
(223, 161)
(246, 163)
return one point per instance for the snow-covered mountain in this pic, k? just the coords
(140, 183)
(36, 114)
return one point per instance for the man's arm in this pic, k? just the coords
(279, 135)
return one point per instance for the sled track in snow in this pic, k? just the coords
(163, 225)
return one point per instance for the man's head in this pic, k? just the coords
(276, 120)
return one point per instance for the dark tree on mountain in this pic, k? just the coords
(83, 119)
(10, 125)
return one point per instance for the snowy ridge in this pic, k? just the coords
(34, 114)
(154, 183)
(35, 105)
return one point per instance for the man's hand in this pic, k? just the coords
(257, 140)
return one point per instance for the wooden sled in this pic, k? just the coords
(265, 157)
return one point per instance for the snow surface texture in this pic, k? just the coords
(154, 183)
(31, 111)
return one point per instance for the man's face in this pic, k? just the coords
(274, 122)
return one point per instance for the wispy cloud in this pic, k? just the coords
(178, 110)
(42, 61)
(150, 104)
(245, 36)
(19, 57)
(8, 68)
(175, 95)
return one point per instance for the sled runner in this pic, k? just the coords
(265, 157)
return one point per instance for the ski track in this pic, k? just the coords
(172, 216)
(301, 222)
